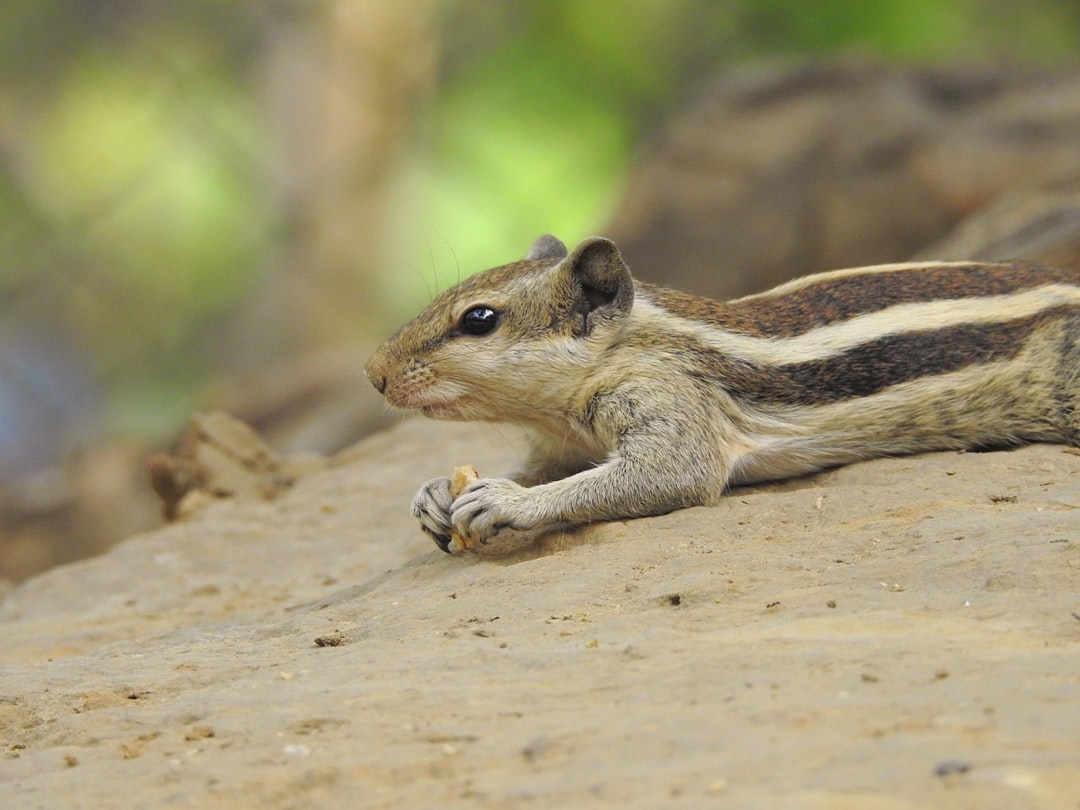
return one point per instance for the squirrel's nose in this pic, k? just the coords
(374, 374)
(378, 382)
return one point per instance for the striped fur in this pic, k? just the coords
(642, 400)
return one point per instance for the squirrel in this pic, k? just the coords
(641, 400)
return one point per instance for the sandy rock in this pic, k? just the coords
(903, 633)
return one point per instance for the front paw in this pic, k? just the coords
(431, 506)
(488, 506)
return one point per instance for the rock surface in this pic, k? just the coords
(778, 170)
(902, 633)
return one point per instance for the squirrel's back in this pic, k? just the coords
(853, 333)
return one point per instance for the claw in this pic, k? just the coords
(431, 506)
(442, 541)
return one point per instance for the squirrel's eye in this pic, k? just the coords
(479, 321)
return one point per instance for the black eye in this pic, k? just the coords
(479, 321)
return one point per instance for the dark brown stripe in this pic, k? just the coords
(871, 367)
(1066, 388)
(840, 299)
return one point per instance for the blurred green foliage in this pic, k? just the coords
(161, 207)
(134, 151)
(131, 199)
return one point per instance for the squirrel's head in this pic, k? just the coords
(511, 341)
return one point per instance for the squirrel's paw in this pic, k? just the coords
(488, 506)
(431, 506)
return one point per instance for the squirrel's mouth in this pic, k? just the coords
(428, 403)
(444, 410)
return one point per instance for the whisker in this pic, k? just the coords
(450, 247)
(420, 275)
(431, 259)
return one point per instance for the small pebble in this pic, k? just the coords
(951, 766)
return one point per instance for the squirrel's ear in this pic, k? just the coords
(601, 278)
(547, 247)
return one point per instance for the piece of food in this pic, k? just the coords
(460, 478)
